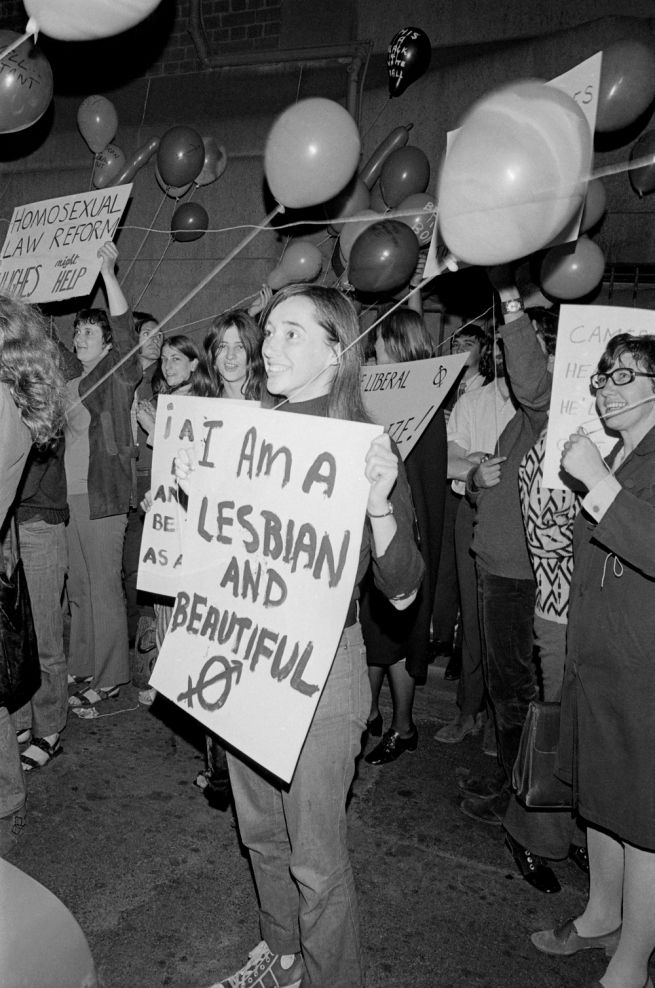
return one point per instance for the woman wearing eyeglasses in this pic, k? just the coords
(608, 729)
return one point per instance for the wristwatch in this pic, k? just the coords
(512, 305)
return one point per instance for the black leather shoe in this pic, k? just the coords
(374, 727)
(391, 747)
(533, 867)
(578, 855)
(453, 670)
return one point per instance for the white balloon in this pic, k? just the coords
(84, 20)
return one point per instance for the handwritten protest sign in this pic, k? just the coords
(271, 548)
(582, 335)
(51, 247)
(404, 397)
(160, 561)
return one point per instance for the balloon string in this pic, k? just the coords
(625, 408)
(154, 272)
(372, 125)
(625, 166)
(15, 44)
(460, 329)
(148, 232)
(93, 170)
(188, 297)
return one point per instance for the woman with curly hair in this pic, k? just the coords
(31, 411)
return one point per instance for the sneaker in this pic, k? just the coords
(264, 969)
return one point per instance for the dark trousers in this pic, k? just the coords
(506, 610)
(139, 604)
(446, 594)
(471, 686)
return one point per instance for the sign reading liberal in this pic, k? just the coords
(50, 251)
(583, 333)
(271, 547)
(404, 397)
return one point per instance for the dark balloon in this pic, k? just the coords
(408, 57)
(404, 173)
(25, 84)
(383, 257)
(189, 222)
(627, 84)
(642, 179)
(180, 156)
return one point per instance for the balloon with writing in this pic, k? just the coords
(311, 153)
(419, 212)
(84, 20)
(408, 57)
(108, 166)
(25, 84)
(97, 121)
(140, 157)
(383, 257)
(189, 222)
(180, 156)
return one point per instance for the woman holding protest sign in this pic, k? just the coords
(398, 647)
(296, 834)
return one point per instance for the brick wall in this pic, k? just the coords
(230, 26)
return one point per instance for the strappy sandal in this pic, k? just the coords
(24, 736)
(30, 760)
(89, 697)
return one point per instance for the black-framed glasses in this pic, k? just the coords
(619, 376)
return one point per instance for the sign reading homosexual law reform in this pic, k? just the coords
(50, 251)
(271, 546)
(404, 397)
(583, 332)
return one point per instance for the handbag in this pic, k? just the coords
(20, 672)
(533, 775)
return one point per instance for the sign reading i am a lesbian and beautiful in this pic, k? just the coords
(271, 547)
(582, 335)
(404, 397)
(50, 251)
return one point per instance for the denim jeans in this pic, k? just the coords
(45, 559)
(506, 608)
(296, 835)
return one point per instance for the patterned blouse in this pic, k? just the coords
(548, 517)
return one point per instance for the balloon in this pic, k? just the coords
(642, 179)
(59, 955)
(566, 275)
(515, 174)
(398, 138)
(98, 122)
(25, 84)
(83, 20)
(174, 191)
(108, 166)
(138, 160)
(383, 258)
(404, 173)
(312, 151)
(354, 228)
(189, 222)
(338, 265)
(301, 261)
(214, 164)
(408, 57)
(353, 199)
(422, 210)
(627, 84)
(180, 156)
(595, 204)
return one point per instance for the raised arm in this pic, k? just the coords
(115, 299)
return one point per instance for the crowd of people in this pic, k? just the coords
(543, 593)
